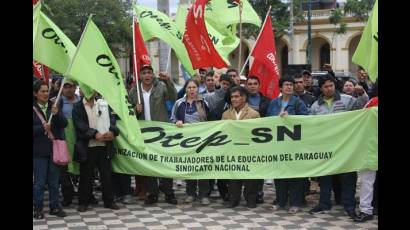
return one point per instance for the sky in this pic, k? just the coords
(173, 4)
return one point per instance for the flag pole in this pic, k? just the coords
(169, 61)
(263, 25)
(240, 34)
(69, 66)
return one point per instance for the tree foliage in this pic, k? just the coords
(359, 8)
(109, 15)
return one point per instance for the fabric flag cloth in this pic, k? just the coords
(39, 69)
(155, 24)
(95, 66)
(140, 56)
(200, 49)
(223, 38)
(367, 52)
(265, 66)
(35, 2)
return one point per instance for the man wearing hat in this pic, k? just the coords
(154, 92)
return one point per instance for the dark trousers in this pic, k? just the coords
(121, 184)
(165, 185)
(67, 186)
(348, 187)
(203, 188)
(337, 188)
(259, 187)
(96, 156)
(45, 172)
(235, 190)
(289, 188)
(223, 186)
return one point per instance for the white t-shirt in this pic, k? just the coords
(147, 111)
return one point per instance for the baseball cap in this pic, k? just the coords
(146, 67)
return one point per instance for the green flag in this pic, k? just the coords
(155, 24)
(226, 13)
(96, 66)
(367, 51)
(223, 38)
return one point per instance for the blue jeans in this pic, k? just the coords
(45, 170)
(348, 191)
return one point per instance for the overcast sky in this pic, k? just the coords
(173, 4)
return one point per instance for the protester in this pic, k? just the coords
(368, 178)
(355, 90)
(45, 171)
(55, 86)
(331, 101)
(67, 100)
(209, 83)
(192, 109)
(233, 74)
(240, 110)
(288, 104)
(95, 126)
(153, 94)
(363, 80)
(308, 84)
(259, 103)
(217, 103)
(305, 96)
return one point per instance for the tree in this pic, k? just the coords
(279, 15)
(109, 15)
(359, 8)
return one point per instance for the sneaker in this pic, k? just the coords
(189, 199)
(38, 214)
(112, 206)
(205, 201)
(277, 207)
(293, 210)
(57, 212)
(318, 210)
(151, 199)
(170, 199)
(268, 182)
(363, 217)
(128, 199)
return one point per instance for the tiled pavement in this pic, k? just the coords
(194, 216)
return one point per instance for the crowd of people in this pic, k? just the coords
(89, 127)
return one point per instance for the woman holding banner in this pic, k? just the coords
(191, 109)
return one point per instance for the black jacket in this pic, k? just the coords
(42, 145)
(263, 105)
(84, 133)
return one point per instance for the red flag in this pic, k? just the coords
(39, 69)
(35, 2)
(200, 49)
(265, 66)
(141, 56)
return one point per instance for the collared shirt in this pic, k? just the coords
(238, 114)
(92, 121)
(68, 106)
(43, 108)
(147, 110)
(328, 102)
(254, 101)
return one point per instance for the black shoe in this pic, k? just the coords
(225, 197)
(318, 210)
(352, 214)
(113, 206)
(57, 212)
(170, 199)
(38, 214)
(363, 217)
(251, 204)
(151, 199)
(66, 203)
(232, 204)
(82, 208)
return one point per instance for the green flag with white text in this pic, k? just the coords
(155, 24)
(96, 66)
(223, 38)
(262, 148)
(367, 52)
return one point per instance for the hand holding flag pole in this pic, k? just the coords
(256, 42)
(68, 69)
